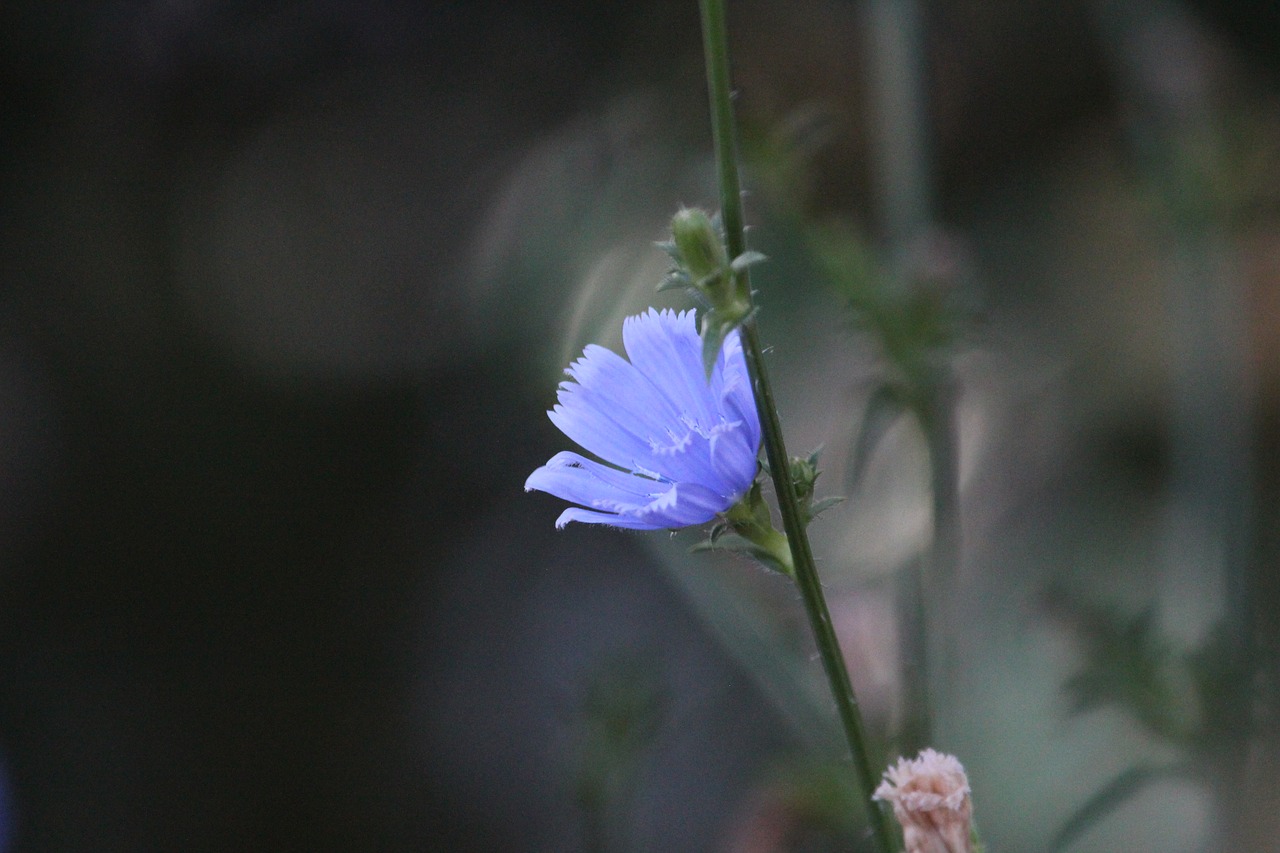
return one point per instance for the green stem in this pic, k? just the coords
(715, 44)
(938, 571)
(806, 576)
(901, 163)
(899, 131)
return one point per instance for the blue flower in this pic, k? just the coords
(681, 449)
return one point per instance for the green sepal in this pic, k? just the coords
(804, 476)
(702, 265)
(670, 248)
(734, 542)
(675, 279)
(716, 326)
(756, 513)
(819, 507)
(746, 260)
(713, 335)
(747, 527)
(699, 245)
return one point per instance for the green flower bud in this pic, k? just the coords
(804, 474)
(701, 248)
(702, 264)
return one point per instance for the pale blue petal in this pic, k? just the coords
(688, 446)
(604, 369)
(618, 414)
(733, 457)
(737, 401)
(743, 412)
(673, 457)
(729, 357)
(681, 506)
(685, 504)
(687, 460)
(601, 419)
(665, 347)
(587, 516)
(599, 434)
(623, 418)
(578, 480)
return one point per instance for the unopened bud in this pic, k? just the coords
(701, 249)
(804, 473)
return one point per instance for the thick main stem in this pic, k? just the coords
(715, 44)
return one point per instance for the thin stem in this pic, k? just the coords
(916, 731)
(901, 159)
(806, 576)
(715, 43)
(1180, 143)
(938, 586)
(899, 149)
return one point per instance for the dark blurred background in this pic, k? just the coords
(286, 287)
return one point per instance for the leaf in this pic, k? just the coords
(1105, 801)
(708, 283)
(1130, 664)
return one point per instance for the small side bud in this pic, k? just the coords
(931, 799)
(804, 475)
(699, 244)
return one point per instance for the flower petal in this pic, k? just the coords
(734, 459)
(599, 434)
(737, 400)
(586, 516)
(578, 480)
(665, 347)
(688, 446)
(647, 407)
(618, 414)
(685, 504)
